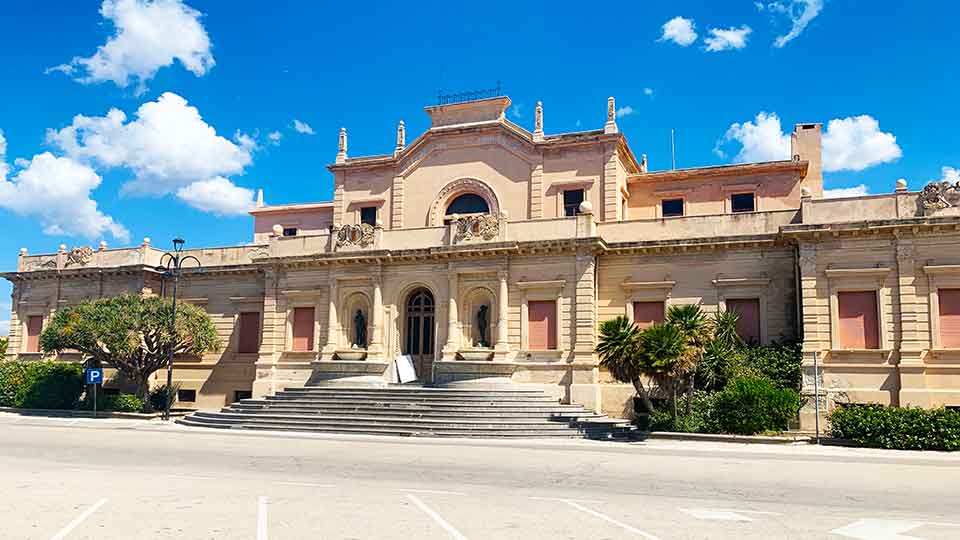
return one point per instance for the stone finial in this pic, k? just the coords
(103, 245)
(643, 163)
(277, 230)
(902, 185)
(260, 198)
(62, 248)
(342, 146)
(586, 207)
(401, 138)
(538, 122)
(805, 192)
(611, 125)
(146, 241)
(23, 252)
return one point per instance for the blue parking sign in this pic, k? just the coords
(94, 376)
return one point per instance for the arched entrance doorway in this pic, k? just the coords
(419, 329)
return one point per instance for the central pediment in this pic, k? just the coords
(468, 112)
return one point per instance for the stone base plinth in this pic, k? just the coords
(349, 373)
(462, 373)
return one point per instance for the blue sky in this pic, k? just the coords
(208, 93)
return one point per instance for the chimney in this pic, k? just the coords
(805, 146)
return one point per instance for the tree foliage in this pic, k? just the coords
(130, 333)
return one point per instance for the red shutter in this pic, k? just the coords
(748, 325)
(249, 332)
(949, 300)
(859, 328)
(303, 329)
(34, 327)
(542, 325)
(647, 314)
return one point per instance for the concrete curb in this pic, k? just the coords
(718, 437)
(61, 413)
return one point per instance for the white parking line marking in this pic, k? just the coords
(588, 501)
(262, 518)
(436, 517)
(305, 484)
(76, 522)
(432, 491)
(609, 519)
(185, 477)
(716, 515)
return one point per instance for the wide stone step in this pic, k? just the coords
(391, 417)
(407, 406)
(418, 390)
(466, 400)
(424, 412)
(457, 423)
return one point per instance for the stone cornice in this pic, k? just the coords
(722, 171)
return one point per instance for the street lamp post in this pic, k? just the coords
(171, 265)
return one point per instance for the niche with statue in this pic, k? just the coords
(477, 324)
(355, 322)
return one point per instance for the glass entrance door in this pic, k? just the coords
(420, 335)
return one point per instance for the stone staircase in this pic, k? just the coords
(415, 411)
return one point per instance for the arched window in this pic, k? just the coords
(468, 203)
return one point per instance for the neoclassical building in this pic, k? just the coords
(489, 254)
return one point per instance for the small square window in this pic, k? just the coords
(671, 207)
(241, 395)
(742, 202)
(187, 396)
(571, 202)
(290, 231)
(368, 215)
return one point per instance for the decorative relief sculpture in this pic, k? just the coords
(80, 255)
(484, 226)
(939, 195)
(358, 235)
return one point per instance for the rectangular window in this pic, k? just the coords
(647, 314)
(542, 325)
(859, 327)
(34, 327)
(671, 207)
(748, 325)
(949, 300)
(742, 202)
(239, 395)
(303, 329)
(187, 396)
(368, 215)
(571, 202)
(249, 332)
(290, 231)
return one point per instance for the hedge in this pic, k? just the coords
(40, 384)
(898, 428)
(754, 405)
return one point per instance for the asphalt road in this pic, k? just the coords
(105, 479)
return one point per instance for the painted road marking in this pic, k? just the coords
(885, 529)
(76, 522)
(432, 492)
(186, 477)
(262, 518)
(609, 519)
(723, 514)
(454, 533)
(305, 484)
(586, 501)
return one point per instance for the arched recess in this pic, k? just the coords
(469, 317)
(455, 189)
(356, 301)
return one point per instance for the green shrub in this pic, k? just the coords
(781, 362)
(125, 403)
(753, 405)
(40, 385)
(703, 418)
(900, 428)
(158, 396)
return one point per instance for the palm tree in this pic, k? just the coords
(721, 354)
(619, 351)
(664, 354)
(694, 326)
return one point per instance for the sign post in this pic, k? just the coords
(94, 376)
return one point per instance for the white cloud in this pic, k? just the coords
(680, 31)
(168, 145)
(849, 144)
(624, 111)
(949, 174)
(302, 127)
(218, 196)
(725, 39)
(274, 137)
(149, 35)
(800, 13)
(517, 110)
(760, 140)
(855, 191)
(648, 91)
(57, 190)
(855, 143)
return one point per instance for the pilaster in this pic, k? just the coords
(611, 189)
(333, 330)
(273, 329)
(453, 334)
(536, 190)
(375, 349)
(502, 346)
(396, 203)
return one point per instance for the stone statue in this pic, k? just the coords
(342, 143)
(611, 109)
(401, 136)
(538, 118)
(482, 325)
(360, 330)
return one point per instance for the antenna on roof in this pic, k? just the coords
(673, 152)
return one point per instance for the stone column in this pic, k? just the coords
(503, 314)
(332, 333)
(453, 337)
(376, 336)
